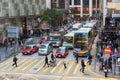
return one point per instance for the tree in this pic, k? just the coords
(52, 16)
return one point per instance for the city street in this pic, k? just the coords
(30, 67)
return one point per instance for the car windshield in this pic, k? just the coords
(61, 50)
(28, 47)
(43, 47)
(54, 38)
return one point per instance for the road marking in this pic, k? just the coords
(5, 63)
(89, 69)
(45, 70)
(59, 77)
(39, 68)
(61, 69)
(29, 64)
(70, 66)
(76, 69)
(58, 63)
(17, 64)
(23, 64)
(36, 65)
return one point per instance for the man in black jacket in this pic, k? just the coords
(14, 61)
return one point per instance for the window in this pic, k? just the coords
(53, 3)
(76, 2)
(61, 4)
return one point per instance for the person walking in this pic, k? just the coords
(106, 71)
(76, 58)
(82, 66)
(89, 59)
(14, 61)
(65, 66)
(52, 56)
(46, 61)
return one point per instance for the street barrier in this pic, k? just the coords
(0, 57)
(11, 51)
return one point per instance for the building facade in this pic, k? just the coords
(84, 7)
(21, 13)
(62, 5)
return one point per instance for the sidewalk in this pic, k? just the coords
(95, 64)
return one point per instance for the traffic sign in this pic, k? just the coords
(13, 31)
(107, 50)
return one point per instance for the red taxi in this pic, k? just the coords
(61, 52)
(30, 49)
(43, 39)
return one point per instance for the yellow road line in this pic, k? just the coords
(5, 63)
(56, 66)
(61, 69)
(70, 66)
(36, 65)
(17, 64)
(89, 69)
(23, 64)
(45, 70)
(92, 79)
(39, 68)
(76, 69)
(29, 65)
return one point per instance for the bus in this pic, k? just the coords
(56, 39)
(68, 40)
(76, 26)
(92, 24)
(82, 42)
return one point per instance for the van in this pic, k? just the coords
(45, 48)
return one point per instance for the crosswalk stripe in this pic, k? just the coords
(46, 69)
(29, 65)
(21, 61)
(70, 66)
(56, 66)
(39, 68)
(61, 69)
(36, 65)
(5, 63)
(92, 79)
(76, 69)
(23, 64)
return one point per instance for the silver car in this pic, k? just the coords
(45, 48)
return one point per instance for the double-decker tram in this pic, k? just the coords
(82, 41)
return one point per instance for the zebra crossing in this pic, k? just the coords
(36, 65)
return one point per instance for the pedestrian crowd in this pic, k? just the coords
(108, 40)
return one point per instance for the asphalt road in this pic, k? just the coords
(30, 67)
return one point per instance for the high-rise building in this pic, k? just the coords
(58, 4)
(84, 7)
(20, 13)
